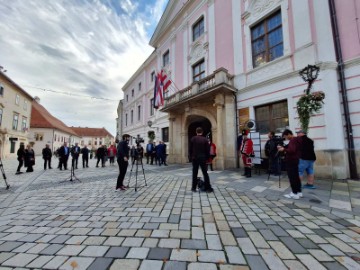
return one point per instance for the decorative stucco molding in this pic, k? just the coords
(198, 50)
(258, 8)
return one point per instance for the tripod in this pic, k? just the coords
(278, 160)
(137, 160)
(72, 172)
(3, 173)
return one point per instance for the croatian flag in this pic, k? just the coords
(161, 84)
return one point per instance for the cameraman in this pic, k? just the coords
(292, 153)
(272, 153)
(122, 160)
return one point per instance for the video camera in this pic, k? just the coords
(279, 141)
(138, 140)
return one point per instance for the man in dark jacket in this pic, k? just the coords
(64, 153)
(272, 153)
(307, 159)
(47, 154)
(85, 157)
(122, 154)
(149, 151)
(20, 157)
(199, 153)
(75, 152)
(292, 155)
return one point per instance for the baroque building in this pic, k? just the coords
(239, 60)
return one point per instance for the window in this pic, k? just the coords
(39, 137)
(165, 134)
(152, 106)
(24, 124)
(1, 114)
(127, 98)
(89, 142)
(198, 29)
(166, 58)
(199, 71)
(139, 86)
(139, 112)
(132, 116)
(272, 117)
(1, 90)
(152, 76)
(132, 93)
(126, 119)
(95, 142)
(25, 105)
(267, 40)
(55, 137)
(17, 99)
(15, 121)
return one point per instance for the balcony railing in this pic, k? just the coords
(219, 77)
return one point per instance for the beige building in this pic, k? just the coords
(15, 115)
(47, 129)
(94, 137)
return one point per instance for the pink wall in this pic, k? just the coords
(179, 62)
(224, 35)
(349, 27)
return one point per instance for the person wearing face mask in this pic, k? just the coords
(123, 161)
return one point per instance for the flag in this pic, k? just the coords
(161, 84)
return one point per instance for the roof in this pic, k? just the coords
(91, 132)
(41, 118)
(11, 82)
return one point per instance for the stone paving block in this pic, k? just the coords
(239, 232)
(193, 244)
(282, 251)
(201, 266)
(169, 243)
(133, 242)
(150, 242)
(9, 246)
(233, 267)
(174, 219)
(348, 262)
(310, 262)
(40, 261)
(76, 240)
(13, 236)
(151, 265)
(183, 255)
(23, 248)
(60, 239)
(293, 245)
(278, 231)
(94, 240)
(210, 228)
(70, 250)
(100, 264)
(340, 244)
(227, 238)
(247, 247)
(37, 248)
(234, 255)
(271, 259)
(151, 226)
(5, 256)
(268, 235)
(31, 237)
(113, 241)
(51, 249)
(334, 266)
(159, 254)
(137, 253)
(117, 252)
(213, 242)
(94, 251)
(296, 265)
(81, 263)
(258, 240)
(20, 260)
(256, 262)
(160, 233)
(175, 265)
(179, 234)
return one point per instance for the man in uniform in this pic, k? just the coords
(247, 152)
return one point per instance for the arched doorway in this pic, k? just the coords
(199, 121)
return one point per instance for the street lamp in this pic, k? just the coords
(309, 74)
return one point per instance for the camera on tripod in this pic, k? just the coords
(279, 141)
(138, 140)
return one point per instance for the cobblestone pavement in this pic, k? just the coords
(48, 222)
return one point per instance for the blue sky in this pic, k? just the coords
(78, 47)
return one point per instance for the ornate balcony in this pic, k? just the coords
(205, 89)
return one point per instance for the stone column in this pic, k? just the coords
(219, 104)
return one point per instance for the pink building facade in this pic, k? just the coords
(238, 60)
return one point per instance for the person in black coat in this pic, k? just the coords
(29, 158)
(75, 152)
(20, 157)
(122, 155)
(85, 157)
(47, 154)
(64, 153)
(100, 153)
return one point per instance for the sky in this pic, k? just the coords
(76, 55)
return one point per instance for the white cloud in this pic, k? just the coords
(87, 47)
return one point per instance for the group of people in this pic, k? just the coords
(156, 153)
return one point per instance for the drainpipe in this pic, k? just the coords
(341, 73)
